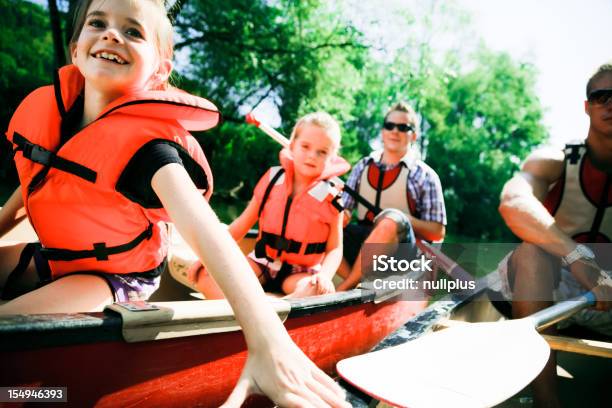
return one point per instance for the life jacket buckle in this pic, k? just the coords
(280, 243)
(37, 154)
(100, 251)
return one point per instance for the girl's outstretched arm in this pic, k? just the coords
(245, 221)
(275, 366)
(333, 249)
(12, 213)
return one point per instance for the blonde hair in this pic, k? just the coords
(164, 35)
(406, 108)
(323, 120)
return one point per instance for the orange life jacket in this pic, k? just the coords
(295, 230)
(82, 221)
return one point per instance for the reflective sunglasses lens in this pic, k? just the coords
(402, 127)
(601, 96)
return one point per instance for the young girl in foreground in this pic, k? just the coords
(299, 247)
(104, 157)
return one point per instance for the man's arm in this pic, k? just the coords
(432, 219)
(333, 249)
(521, 204)
(245, 221)
(523, 211)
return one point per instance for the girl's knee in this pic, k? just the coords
(299, 282)
(71, 294)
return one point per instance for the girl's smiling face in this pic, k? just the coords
(117, 50)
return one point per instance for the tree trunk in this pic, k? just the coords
(56, 30)
(72, 4)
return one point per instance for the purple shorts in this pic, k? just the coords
(125, 287)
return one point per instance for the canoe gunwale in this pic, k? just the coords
(26, 332)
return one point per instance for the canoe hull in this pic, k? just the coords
(197, 370)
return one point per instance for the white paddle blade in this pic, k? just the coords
(473, 365)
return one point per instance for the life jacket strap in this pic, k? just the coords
(100, 251)
(288, 245)
(572, 153)
(47, 158)
(269, 187)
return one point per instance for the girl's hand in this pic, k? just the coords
(287, 377)
(323, 284)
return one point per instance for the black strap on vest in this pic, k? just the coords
(47, 158)
(572, 153)
(281, 243)
(100, 251)
(57, 90)
(374, 208)
(269, 189)
(260, 244)
(381, 177)
(601, 209)
(361, 200)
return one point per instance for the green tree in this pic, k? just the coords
(26, 58)
(476, 143)
(301, 55)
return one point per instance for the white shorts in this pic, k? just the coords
(568, 288)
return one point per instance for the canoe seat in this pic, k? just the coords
(162, 320)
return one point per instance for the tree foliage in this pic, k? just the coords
(485, 122)
(300, 55)
(26, 58)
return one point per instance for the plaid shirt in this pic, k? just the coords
(422, 182)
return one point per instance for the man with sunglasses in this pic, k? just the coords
(558, 202)
(406, 189)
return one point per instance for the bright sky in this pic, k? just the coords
(566, 40)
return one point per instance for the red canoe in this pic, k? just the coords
(188, 353)
(87, 353)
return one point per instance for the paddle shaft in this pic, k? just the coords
(452, 268)
(562, 310)
(542, 319)
(336, 181)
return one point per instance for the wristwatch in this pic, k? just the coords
(580, 252)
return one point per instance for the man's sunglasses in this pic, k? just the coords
(402, 127)
(600, 96)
